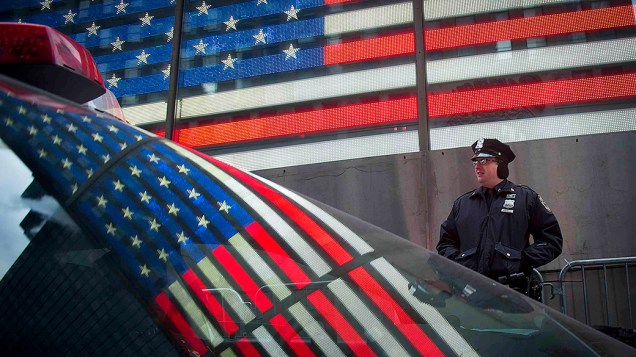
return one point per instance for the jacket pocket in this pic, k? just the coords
(507, 260)
(467, 258)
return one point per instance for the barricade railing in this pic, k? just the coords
(596, 264)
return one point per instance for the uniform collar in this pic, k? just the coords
(503, 186)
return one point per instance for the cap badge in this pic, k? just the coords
(480, 144)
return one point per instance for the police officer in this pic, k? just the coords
(488, 228)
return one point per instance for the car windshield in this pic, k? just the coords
(81, 276)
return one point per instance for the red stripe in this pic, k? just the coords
(242, 278)
(290, 336)
(187, 333)
(278, 255)
(529, 27)
(405, 109)
(339, 323)
(479, 34)
(313, 229)
(247, 348)
(394, 312)
(534, 94)
(210, 302)
(300, 123)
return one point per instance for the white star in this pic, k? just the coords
(139, 137)
(41, 153)
(145, 197)
(164, 182)
(113, 81)
(292, 13)
(172, 209)
(106, 158)
(136, 242)
(56, 140)
(230, 24)
(46, 4)
(203, 222)
(143, 57)
(144, 270)
(127, 213)
(69, 17)
(166, 72)
(162, 255)
(110, 228)
(89, 173)
(21, 110)
(74, 188)
(32, 130)
(113, 129)
(223, 206)
(203, 9)
(153, 158)
(182, 237)
(260, 37)
(183, 169)
(81, 149)
(154, 225)
(119, 186)
(8, 121)
(290, 52)
(58, 111)
(92, 30)
(117, 45)
(228, 62)
(86, 119)
(200, 47)
(170, 34)
(121, 7)
(146, 20)
(134, 171)
(123, 146)
(101, 201)
(66, 163)
(71, 128)
(193, 194)
(46, 118)
(98, 138)
(261, 2)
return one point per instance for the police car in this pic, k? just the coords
(119, 242)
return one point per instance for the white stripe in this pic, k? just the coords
(268, 342)
(228, 353)
(315, 331)
(435, 320)
(439, 9)
(223, 290)
(397, 77)
(549, 127)
(347, 234)
(367, 319)
(258, 265)
(325, 151)
(195, 316)
(532, 60)
(295, 241)
(372, 18)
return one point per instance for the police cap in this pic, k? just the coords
(492, 148)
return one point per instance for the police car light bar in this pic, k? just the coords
(48, 59)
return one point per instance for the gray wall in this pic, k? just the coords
(589, 182)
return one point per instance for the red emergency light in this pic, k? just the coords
(48, 59)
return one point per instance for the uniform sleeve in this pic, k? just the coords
(448, 244)
(545, 230)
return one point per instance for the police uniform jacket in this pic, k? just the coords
(494, 240)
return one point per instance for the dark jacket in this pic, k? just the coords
(496, 242)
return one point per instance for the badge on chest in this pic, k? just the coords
(509, 204)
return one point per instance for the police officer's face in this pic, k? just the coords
(486, 172)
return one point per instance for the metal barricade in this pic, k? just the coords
(596, 264)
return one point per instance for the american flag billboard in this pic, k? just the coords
(268, 83)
